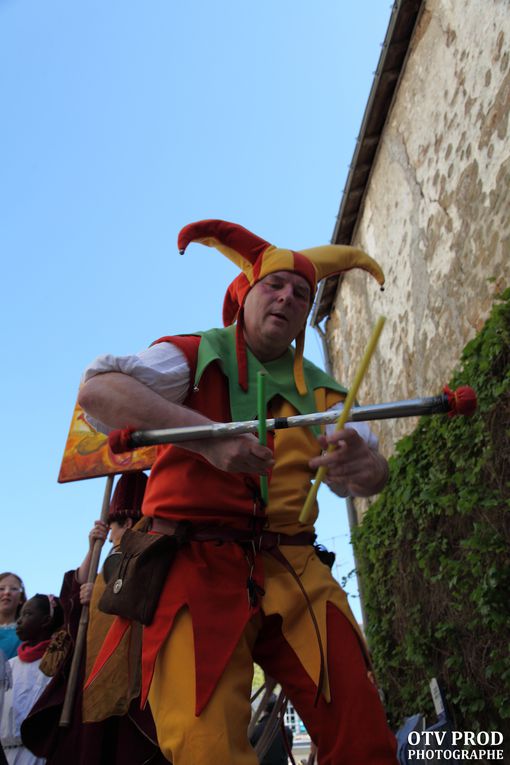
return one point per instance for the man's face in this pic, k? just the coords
(275, 311)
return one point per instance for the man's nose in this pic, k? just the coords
(286, 293)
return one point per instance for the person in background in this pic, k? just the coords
(110, 730)
(40, 617)
(3, 688)
(12, 597)
(125, 511)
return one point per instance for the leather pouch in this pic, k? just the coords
(135, 586)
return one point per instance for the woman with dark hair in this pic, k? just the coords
(12, 597)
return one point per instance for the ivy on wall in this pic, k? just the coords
(434, 551)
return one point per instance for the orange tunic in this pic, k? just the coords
(210, 579)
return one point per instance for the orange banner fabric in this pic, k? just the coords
(87, 454)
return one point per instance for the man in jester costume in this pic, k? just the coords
(248, 585)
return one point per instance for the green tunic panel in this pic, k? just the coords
(219, 345)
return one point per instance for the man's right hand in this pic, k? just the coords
(239, 454)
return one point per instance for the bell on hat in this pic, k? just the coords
(128, 497)
(257, 258)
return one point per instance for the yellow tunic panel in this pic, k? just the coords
(290, 482)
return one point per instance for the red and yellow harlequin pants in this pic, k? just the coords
(349, 730)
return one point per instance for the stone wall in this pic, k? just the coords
(436, 213)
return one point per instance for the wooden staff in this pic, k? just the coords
(79, 646)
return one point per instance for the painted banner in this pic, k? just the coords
(87, 454)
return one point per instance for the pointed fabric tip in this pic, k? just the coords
(238, 244)
(331, 259)
(242, 356)
(299, 375)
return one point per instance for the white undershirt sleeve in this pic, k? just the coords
(162, 367)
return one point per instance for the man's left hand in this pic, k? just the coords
(353, 468)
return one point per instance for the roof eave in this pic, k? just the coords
(395, 49)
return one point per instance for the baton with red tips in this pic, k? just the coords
(461, 401)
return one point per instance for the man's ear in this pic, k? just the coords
(129, 523)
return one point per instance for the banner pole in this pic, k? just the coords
(79, 647)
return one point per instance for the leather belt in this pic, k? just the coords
(269, 541)
(263, 540)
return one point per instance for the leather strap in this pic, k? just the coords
(265, 540)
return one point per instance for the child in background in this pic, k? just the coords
(40, 617)
(12, 597)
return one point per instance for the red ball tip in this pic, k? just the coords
(461, 401)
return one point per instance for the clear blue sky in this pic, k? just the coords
(121, 122)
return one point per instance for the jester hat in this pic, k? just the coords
(257, 259)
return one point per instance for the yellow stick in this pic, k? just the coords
(349, 401)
